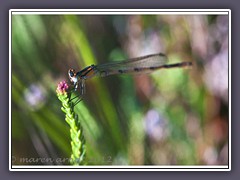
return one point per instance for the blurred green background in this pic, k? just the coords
(168, 117)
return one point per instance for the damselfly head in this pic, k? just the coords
(72, 75)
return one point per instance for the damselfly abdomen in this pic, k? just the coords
(144, 64)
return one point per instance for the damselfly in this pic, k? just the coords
(137, 65)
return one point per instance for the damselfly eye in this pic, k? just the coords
(71, 73)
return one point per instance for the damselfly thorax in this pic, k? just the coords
(144, 64)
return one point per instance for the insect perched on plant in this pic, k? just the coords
(137, 65)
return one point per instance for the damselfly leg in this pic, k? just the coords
(80, 86)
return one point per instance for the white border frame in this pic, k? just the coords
(120, 12)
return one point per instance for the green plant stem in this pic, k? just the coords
(76, 132)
